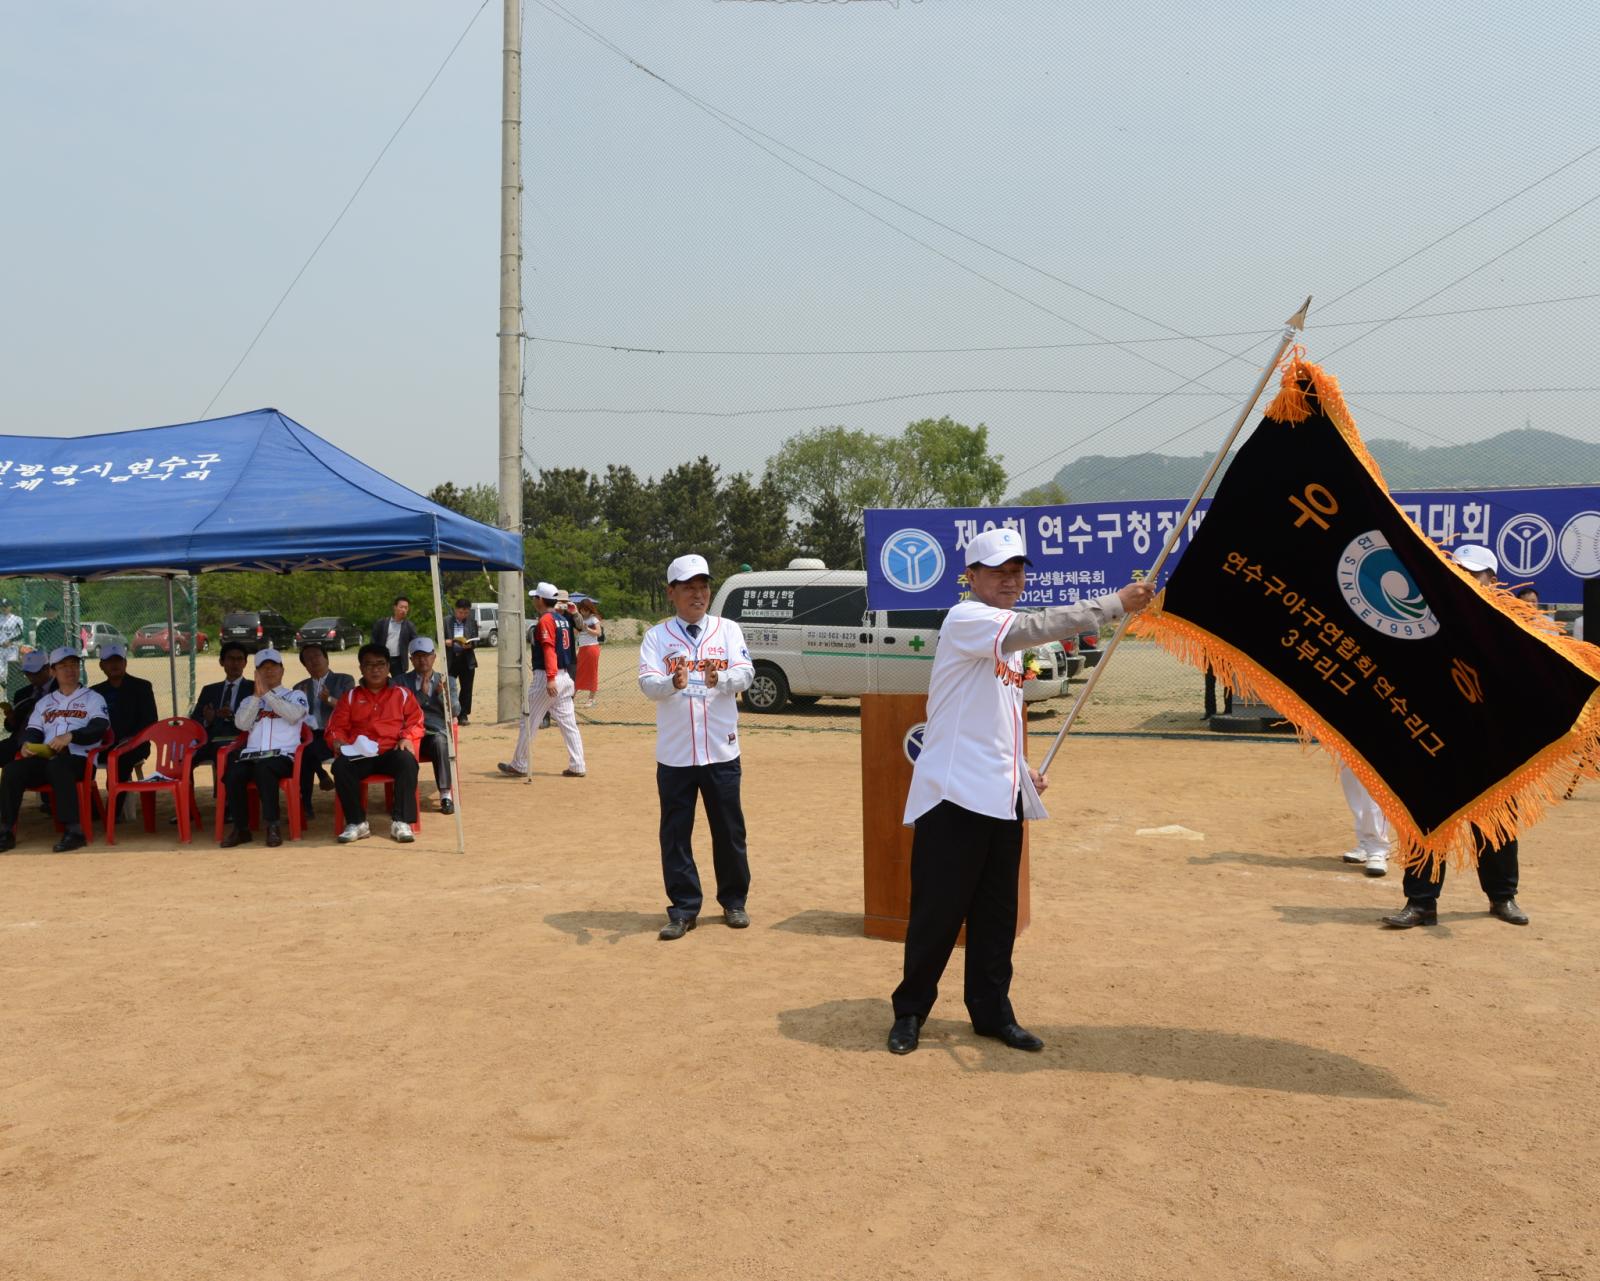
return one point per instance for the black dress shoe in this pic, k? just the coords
(238, 836)
(904, 1034)
(447, 806)
(71, 841)
(1411, 915)
(1018, 1038)
(1508, 911)
(274, 836)
(676, 928)
(7, 842)
(737, 918)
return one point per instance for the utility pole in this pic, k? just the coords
(511, 684)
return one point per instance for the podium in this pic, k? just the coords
(888, 747)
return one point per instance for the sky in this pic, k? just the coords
(1107, 187)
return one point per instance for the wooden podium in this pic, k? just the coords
(886, 724)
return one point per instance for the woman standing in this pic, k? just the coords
(591, 632)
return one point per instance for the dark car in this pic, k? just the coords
(152, 638)
(330, 633)
(257, 629)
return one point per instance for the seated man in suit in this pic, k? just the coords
(62, 728)
(132, 704)
(430, 688)
(219, 701)
(271, 715)
(36, 668)
(322, 689)
(380, 723)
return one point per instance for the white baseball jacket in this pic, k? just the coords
(697, 725)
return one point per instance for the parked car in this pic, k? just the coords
(330, 633)
(812, 636)
(257, 629)
(92, 635)
(153, 638)
(488, 616)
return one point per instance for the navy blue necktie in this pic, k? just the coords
(694, 631)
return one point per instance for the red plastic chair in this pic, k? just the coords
(175, 741)
(290, 787)
(388, 799)
(88, 792)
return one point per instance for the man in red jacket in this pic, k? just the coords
(375, 729)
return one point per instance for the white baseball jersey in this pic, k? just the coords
(974, 748)
(273, 720)
(699, 724)
(56, 714)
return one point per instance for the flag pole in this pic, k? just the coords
(1291, 327)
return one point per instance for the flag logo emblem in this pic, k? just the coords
(1381, 591)
(912, 560)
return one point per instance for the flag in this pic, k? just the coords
(1307, 588)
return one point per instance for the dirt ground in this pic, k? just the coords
(400, 1062)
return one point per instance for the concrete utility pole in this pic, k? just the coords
(510, 683)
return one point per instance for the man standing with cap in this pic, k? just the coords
(972, 787)
(272, 716)
(131, 702)
(432, 696)
(555, 658)
(1497, 865)
(63, 726)
(694, 666)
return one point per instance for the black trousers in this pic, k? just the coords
(348, 771)
(62, 772)
(1497, 876)
(464, 679)
(718, 786)
(266, 773)
(963, 869)
(435, 747)
(317, 751)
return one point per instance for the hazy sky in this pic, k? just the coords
(169, 167)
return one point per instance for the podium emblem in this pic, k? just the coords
(912, 742)
(912, 560)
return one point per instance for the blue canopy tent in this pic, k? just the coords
(254, 491)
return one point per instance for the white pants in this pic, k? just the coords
(559, 705)
(1372, 828)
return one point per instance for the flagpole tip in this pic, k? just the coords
(1298, 320)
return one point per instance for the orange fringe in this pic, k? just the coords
(1519, 800)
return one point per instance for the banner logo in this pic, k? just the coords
(1527, 543)
(913, 741)
(1381, 592)
(912, 560)
(1580, 545)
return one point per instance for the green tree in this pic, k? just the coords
(755, 524)
(628, 507)
(830, 533)
(477, 502)
(938, 462)
(560, 493)
(1049, 494)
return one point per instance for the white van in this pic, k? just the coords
(487, 615)
(812, 636)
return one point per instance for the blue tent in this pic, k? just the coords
(253, 491)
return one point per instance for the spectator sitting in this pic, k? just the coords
(36, 668)
(429, 687)
(394, 635)
(322, 689)
(131, 701)
(218, 702)
(375, 729)
(62, 728)
(271, 715)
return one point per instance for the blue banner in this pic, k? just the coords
(1547, 537)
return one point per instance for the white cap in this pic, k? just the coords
(61, 653)
(422, 645)
(544, 591)
(268, 655)
(34, 661)
(113, 650)
(687, 567)
(1476, 559)
(997, 546)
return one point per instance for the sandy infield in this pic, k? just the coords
(395, 1063)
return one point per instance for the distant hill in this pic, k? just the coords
(1509, 460)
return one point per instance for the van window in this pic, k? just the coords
(928, 620)
(830, 606)
(761, 604)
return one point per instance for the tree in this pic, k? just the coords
(568, 493)
(687, 519)
(1049, 494)
(755, 523)
(830, 533)
(941, 463)
(477, 502)
(628, 507)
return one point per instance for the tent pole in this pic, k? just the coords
(450, 707)
(172, 649)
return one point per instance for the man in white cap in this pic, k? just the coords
(1497, 865)
(271, 714)
(972, 786)
(433, 696)
(694, 666)
(555, 660)
(36, 669)
(131, 700)
(63, 726)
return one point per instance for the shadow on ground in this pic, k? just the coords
(1274, 862)
(585, 927)
(1365, 917)
(1168, 1053)
(817, 921)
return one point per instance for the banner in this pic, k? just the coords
(1547, 537)
(1309, 588)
